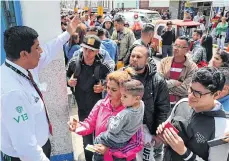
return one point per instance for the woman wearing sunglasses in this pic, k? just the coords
(198, 119)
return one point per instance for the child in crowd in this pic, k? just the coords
(124, 125)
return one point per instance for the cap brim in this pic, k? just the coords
(88, 47)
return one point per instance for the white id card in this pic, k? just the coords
(90, 148)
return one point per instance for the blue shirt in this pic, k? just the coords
(70, 51)
(225, 102)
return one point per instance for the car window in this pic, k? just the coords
(153, 16)
(144, 19)
(160, 29)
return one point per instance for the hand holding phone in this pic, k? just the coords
(72, 124)
(168, 125)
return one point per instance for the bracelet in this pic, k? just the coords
(187, 155)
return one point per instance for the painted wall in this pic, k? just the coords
(159, 3)
(44, 17)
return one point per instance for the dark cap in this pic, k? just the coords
(91, 42)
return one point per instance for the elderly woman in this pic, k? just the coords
(98, 119)
(220, 59)
(198, 119)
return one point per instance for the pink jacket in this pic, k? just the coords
(97, 121)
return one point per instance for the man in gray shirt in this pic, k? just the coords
(124, 125)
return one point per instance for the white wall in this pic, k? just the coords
(44, 17)
(159, 3)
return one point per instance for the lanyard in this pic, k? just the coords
(30, 79)
(17, 71)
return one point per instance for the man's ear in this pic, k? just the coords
(23, 54)
(226, 87)
(216, 95)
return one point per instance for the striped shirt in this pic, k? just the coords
(175, 71)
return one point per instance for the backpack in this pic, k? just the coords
(100, 59)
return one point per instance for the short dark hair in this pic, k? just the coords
(134, 87)
(17, 39)
(225, 71)
(184, 38)
(99, 17)
(199, 32)
(169, 23)
(210, 77)
(224, 56)
(102, 31)
(119, 19)
(148, 28)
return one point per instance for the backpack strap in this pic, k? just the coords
(97, 72)
(78, 65)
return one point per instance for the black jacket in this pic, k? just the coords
(168, 37)
(156, 97)
(86, 79)
(196, 129)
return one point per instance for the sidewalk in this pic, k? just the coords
(77, 140)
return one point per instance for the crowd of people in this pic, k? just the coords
(134, 111)
(165, 87)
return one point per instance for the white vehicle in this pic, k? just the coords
(129, 17)
(151, 15)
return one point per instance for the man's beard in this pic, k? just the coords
(137, 68)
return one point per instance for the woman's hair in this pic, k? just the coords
(210, 77)
(121, 75)
(207, 42)
(224, 56)
(133, 87)
(73, 37)
(81, 30)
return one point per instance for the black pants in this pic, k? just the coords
(88, 139)
(46, 149)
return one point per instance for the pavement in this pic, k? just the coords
(77, 139)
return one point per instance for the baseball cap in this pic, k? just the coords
(91, 42)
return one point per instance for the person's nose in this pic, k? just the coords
(40, 51)
(108, 92)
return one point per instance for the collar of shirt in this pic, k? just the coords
(18, 67)
(217, 107)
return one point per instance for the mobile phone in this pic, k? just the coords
(217, 141)
(168, 125)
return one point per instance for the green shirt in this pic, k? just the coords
(221, 28)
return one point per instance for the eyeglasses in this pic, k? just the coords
(179, 47)
(197, 94)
